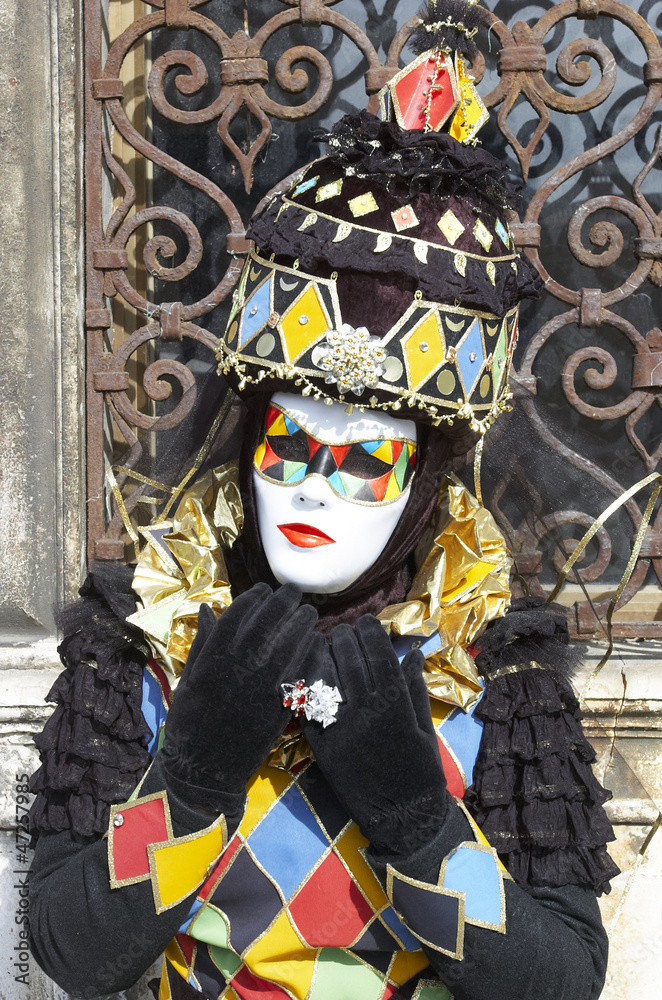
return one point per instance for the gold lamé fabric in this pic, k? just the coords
(182, 565)
(461, 583)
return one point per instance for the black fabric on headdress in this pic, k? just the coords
(414, 161)
(388, 579)
(434, 33)
(430, 172)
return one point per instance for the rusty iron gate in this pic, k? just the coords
(230, 91)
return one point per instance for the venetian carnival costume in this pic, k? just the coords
(378, 790)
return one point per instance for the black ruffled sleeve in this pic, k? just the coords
(93, 749)
(534, 793)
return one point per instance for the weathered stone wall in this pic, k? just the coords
(42, 511)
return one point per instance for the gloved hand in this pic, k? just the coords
(381, 754)
(228, 710)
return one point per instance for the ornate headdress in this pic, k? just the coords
(387, 276)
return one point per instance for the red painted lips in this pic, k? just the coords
(305, 535)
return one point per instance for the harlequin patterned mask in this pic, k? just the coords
(310, 475)
(367, 472)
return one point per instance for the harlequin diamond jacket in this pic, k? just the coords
(281, 896)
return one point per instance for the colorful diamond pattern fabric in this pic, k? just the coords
(429, 907)
(424, 349)
(474, 871)
(133, 828)
(470, 357)
(404, 218)
(256, 312)
(451, 226)
(470, 890)
(305, 186)
(330, 909)
(288, 842)
(462, 732)
(304, 322)
(483, 235)
(292, 909)
(363, 204)
(502, 232)
(327, 191)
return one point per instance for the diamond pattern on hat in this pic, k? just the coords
(499, 358)
(329, 909)
(304, 322)
(248, 899)
(363, 204)
(472, 113)
(483, 235)
(404, 218)
(331, 190)
(502, 232)
(305, 186)
(470, 357)
(256, 312)
(424, 349)
(288, 841)
(451, 226)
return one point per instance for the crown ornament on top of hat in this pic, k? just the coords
(386, 276)
(436, 89)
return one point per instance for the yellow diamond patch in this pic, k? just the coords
(363, 204)
(483, 235)
(327, 191)
(425, 350)
(472, 113)
(304, 323)
(451, 226)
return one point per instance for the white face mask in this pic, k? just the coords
(323, 529)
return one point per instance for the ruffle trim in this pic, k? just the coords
(534, 794)
(417, 161)
(438, 279)
(446, 36)
(93, 749)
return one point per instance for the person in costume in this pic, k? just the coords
(328, 757)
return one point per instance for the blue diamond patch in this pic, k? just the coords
(256, 313)
(470, 357)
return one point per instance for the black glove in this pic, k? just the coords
(381, 754)
(228, 707)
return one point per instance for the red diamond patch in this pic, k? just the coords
(333, 925)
